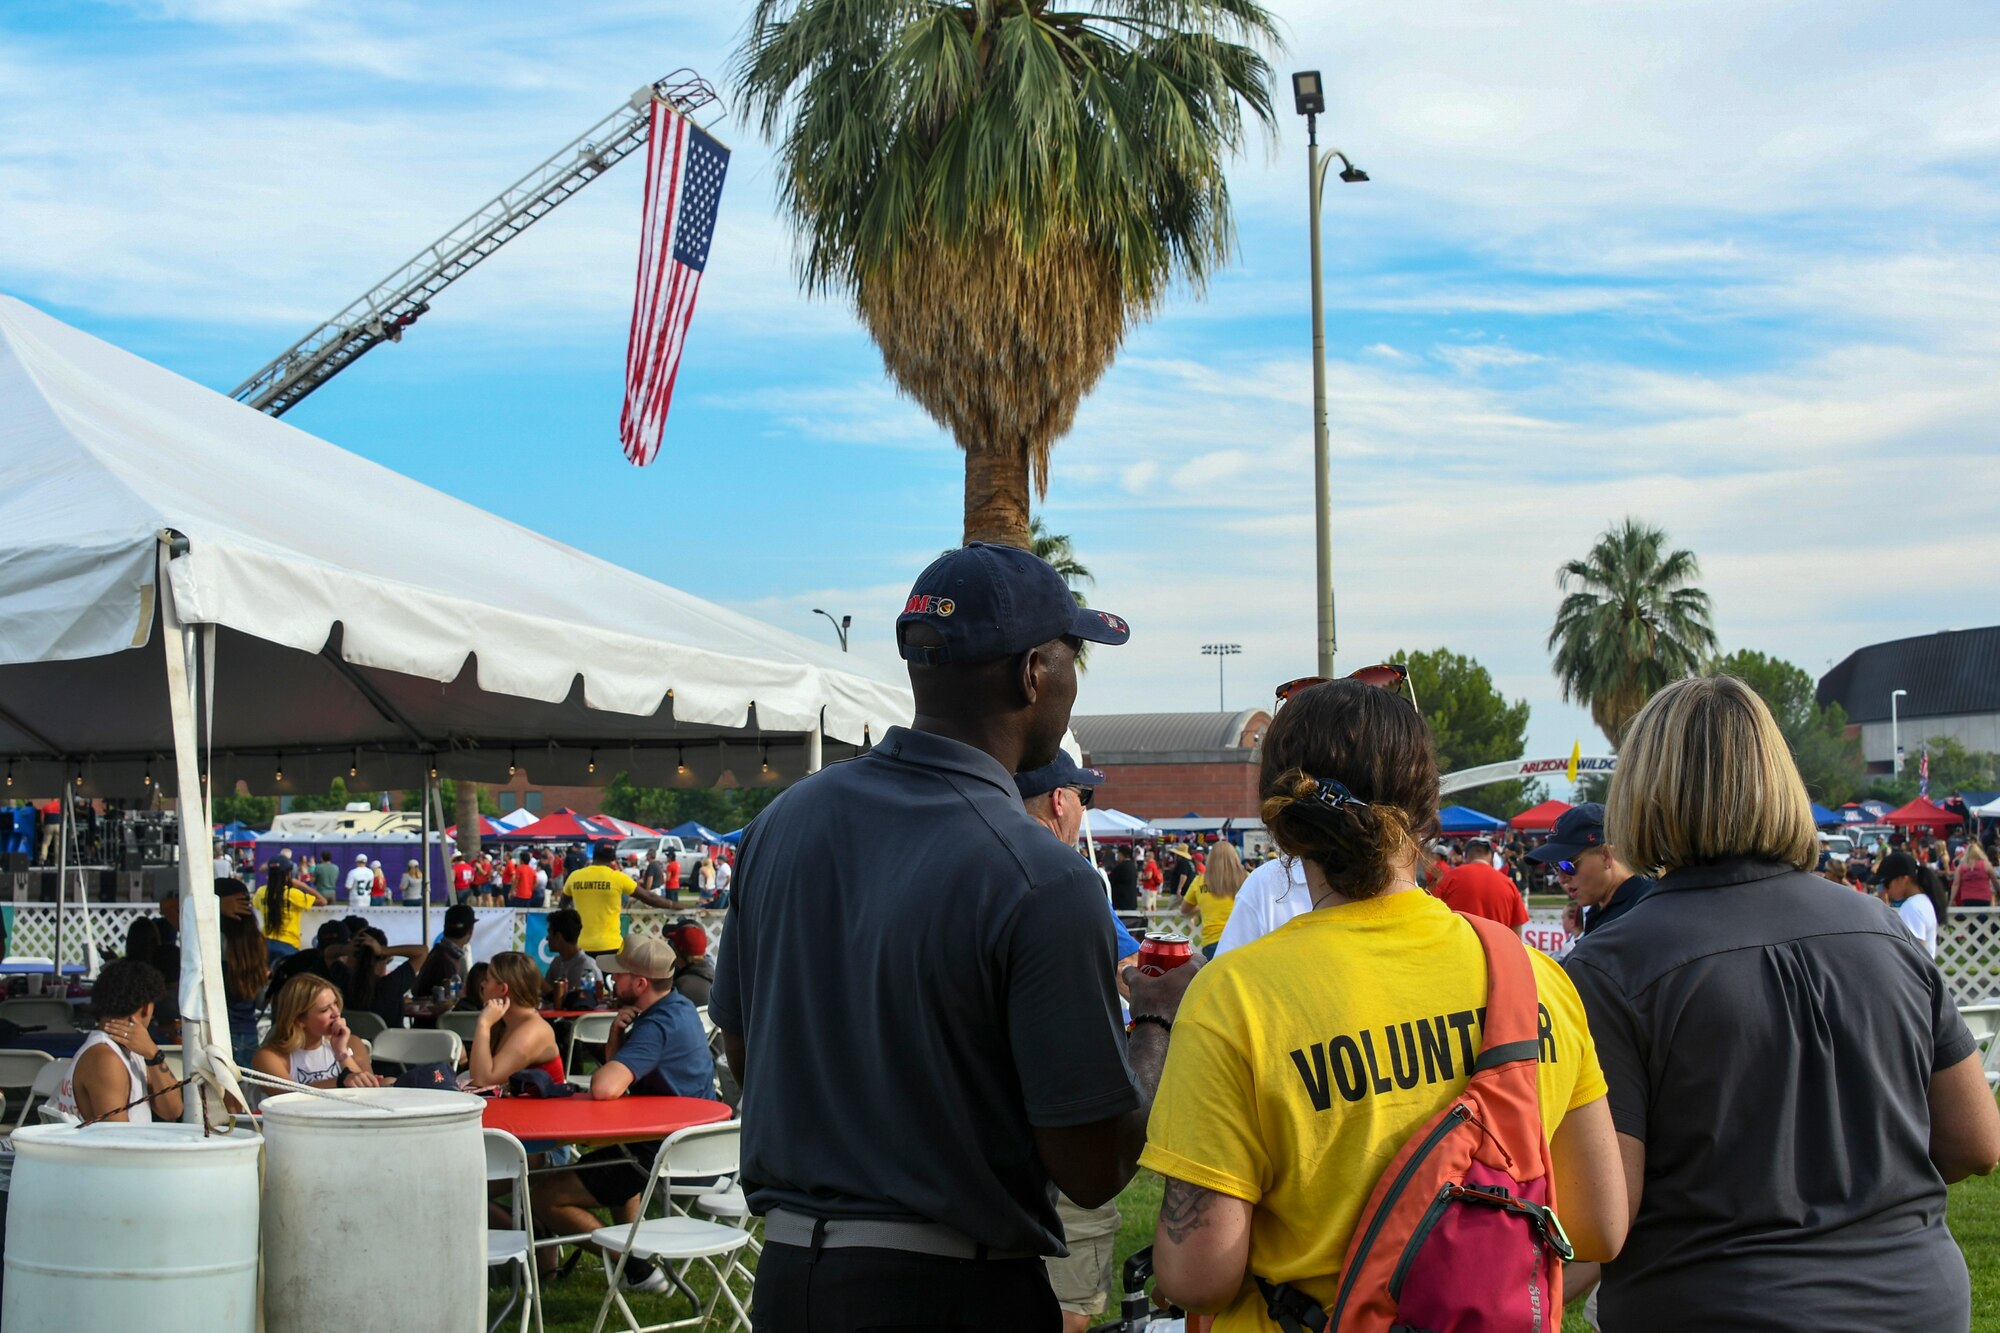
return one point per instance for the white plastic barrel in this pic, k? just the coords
(374, 1211)
(132, 1226)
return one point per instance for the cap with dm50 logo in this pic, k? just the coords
(988, 602)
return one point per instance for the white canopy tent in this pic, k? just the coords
(1116, 825)
(1991, 810)
(190, 587)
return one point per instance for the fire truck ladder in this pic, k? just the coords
(400, 299)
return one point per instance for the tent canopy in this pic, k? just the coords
(1922, 813)
(358, 642)
(1824, 817)
(488, 828)
(564, 825)
(694, 831)
(515, 818)
(1464, 819)
(1116, 825)
(1539, 818)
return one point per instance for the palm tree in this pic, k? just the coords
(1632, 622)
(1056, 548)
(1003, 187)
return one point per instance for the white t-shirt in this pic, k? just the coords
(1270, 897)
(723, 874)
(360, 886)
(1920, 916)
(224, 868)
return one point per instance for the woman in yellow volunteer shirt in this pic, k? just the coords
(1381, 986)
(1213, 894)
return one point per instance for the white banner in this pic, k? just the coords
(493, 928)
(1545, 931)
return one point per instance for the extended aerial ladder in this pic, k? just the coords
(399, 300)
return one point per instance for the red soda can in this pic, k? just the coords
(1161, 953)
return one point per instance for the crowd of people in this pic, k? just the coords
(1743, 1092)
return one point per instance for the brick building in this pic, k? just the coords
(1164, 765)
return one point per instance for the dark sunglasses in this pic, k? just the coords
(1391, 676)
(1085, 795)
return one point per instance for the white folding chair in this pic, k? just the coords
(174, 1063)
(507, 1160)
(47, 1012)
(48, 1078)
(1992, 1062)
(417, 1046)
(593, 1030)
(464, 1022)
(366, 1024)
(20, 1069)
(707, 1023)
(703, 1152)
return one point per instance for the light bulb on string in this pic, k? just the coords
(680, 762)
(510, 763)
(279, 776)
(593, 762)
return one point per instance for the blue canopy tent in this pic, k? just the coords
(731, 839)
(236, 831)
(1826, 818)
(696, 831)
(1464, 819)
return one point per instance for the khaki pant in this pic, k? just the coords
(1082, 1282)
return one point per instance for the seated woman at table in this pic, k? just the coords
(361, 969)
(510, 1035)
(119, 1064)
(310, 1042)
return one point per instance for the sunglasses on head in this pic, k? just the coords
(1391, 676)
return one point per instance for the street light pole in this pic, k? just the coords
(839, 626)
(1309, 99)
(1221, 652)
(1895, 736)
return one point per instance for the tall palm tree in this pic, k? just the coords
(1003, 187)
(1632, 622)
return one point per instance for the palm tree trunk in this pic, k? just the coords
(996, 494)
(465, 807)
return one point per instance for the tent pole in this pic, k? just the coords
(206, 1048)
(426, 855)
(63, 828)
(816, 744)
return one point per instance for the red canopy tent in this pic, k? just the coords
(564, 825)
(1539, 818)
(1922, 813)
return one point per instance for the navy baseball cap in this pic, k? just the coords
(990, 602)
(1577, 830)
(1064, 772)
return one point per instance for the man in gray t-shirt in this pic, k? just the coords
(571, 969)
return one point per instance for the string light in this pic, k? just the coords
(354, 767)
(280, 775)
(10, 772)
(767, 760)
(149, 775)
(510, 763)
(680, 762)
(593, 762)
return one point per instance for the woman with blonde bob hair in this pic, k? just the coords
(1790, 1080)
(310, 1042)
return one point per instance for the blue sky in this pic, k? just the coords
(1726, 265)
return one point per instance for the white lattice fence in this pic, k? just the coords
(1969, 954)
(32, 930)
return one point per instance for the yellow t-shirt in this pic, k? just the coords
(1214, 909)
(1301, 1063)
(599, 893)
(297, 900)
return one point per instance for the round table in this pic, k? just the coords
(581, 1119)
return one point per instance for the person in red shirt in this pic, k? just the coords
(673, 875)
(1477, 889)
(1440, 867)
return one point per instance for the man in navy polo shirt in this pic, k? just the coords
(1603, 887)
(915, 989)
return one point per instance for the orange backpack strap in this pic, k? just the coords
(1512, 1029)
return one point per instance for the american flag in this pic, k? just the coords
(1924, 774)
(684, 171)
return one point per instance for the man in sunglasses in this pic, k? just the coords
(1602, 886)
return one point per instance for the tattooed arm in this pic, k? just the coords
(1201, 1248)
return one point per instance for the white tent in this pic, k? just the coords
(517, 818)
(189, 587)
(1991, 810)
(1116, 824)
(359, 625)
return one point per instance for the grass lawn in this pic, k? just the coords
(1975, 1220)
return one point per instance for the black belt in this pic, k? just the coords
(784, 1227)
